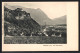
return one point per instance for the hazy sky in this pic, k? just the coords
(51, 9)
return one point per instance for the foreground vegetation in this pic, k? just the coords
(34, 40)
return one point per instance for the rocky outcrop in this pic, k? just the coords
(17, 22)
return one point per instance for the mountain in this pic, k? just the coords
(40, 17)
(60, 20)
(37, 14)
(19, 21)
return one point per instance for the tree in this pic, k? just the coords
(18, 11)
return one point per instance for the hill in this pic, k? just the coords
(18, 21)
(60, 20)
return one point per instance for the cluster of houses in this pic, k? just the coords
(56, 31)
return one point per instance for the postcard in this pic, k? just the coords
(40, 26)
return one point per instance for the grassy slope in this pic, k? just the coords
(34, 40)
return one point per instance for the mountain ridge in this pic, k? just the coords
(40, 17)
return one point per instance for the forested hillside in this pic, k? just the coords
(18, 21)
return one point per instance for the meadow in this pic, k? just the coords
(34, 40)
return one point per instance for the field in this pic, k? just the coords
(34, 40)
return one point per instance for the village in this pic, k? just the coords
(19, 26)
(55, 31)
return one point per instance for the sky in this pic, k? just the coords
(51, 9)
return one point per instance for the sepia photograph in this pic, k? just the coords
(39, 24)
(35, 23)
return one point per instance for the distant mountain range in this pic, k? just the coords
(40, 17)
(60, 20)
